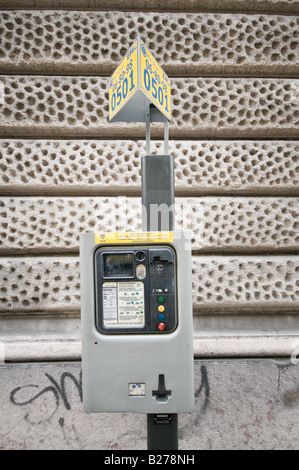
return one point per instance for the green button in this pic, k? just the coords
(161, 299)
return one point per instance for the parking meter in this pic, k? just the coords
(136, 308)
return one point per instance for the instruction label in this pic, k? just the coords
(123, 304)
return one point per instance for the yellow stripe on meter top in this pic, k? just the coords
(134, 237)
(124, 81)
(154, 82)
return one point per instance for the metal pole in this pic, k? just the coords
(148, 125)
(162, 432)
(157, 187)
(166, 135)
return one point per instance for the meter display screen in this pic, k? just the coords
(118, 264)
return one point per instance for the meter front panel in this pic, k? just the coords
(135, 289)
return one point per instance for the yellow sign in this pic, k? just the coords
(154, 82)
(123, 83)
(134, 237)
(138, 76)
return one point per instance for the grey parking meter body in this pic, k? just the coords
(137, 334)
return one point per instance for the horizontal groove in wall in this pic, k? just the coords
(198, 313)
(42, 315)
(160, 139)
(178, 134)
(234, 312)
(283, 7)
(277, 72)
(46, 253)
(118, 133)
(56, 252)
(253, 311)
(50, 191)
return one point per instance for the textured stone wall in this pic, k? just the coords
(202, 107)
(184, 44)
(64, 169)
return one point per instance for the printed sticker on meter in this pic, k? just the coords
(154, 82)
(124, 81)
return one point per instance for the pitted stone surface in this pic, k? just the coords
(70, 164)
(40, 284)
(225, 224)
(200, 166)
(95, 42)
(241, 166)
(245, 281)
(54, 224)
(64, 101)
(50, 284)
(201, 106)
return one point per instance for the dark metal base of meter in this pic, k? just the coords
(162, 431)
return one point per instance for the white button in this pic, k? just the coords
(140, 271)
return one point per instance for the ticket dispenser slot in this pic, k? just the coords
(135, 290)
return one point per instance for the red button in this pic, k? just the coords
(161, 326)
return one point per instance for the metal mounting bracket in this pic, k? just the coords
(149, 108)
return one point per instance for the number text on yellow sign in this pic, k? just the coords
(154, 82)
(123, 83)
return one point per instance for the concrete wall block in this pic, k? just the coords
(227, 345)
(200, 166)
(240, 105)
(95, 42)
(226, 223)
(68, 106)
(54, 224)
(260, 281)
(251, 282)
(36, 284)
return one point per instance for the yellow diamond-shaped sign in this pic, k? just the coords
(138, 78)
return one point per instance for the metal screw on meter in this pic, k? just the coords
(140, 256)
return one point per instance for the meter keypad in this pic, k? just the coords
(154, 268)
